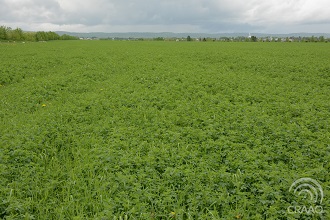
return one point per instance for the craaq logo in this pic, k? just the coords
(312, 191)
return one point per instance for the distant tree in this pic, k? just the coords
(41, 36)
(17, 34)
(159, 39)
(4, 32)
(312, 39)
(226, 39)
(68, 37)
(29, 36)
(254, 38)
(53, 36)
(189, 38)
(7, 32)
(321, 39)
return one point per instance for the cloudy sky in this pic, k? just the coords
(209, 16)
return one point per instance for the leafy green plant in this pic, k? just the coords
(161, 130)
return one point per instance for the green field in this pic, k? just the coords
(162, 130)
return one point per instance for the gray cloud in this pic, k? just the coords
(172, 15)
(29, 11)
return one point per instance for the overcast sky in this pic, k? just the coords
(209, 16)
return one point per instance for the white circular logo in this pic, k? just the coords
(308, 186)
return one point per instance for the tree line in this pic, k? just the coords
(9, 34)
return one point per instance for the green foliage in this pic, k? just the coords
(68, 37)
(18, 34)
(254, 39)
(46, 36)
(159, 39)
(4, 32)
(161, 130)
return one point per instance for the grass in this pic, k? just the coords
(162, 130)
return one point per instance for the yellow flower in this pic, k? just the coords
(172, 214)
(43, 105)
